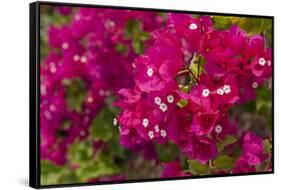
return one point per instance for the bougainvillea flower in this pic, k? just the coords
(253, 149)
(202, 149)
(203, 123)
(172, 169)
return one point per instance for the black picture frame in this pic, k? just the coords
(34, 92)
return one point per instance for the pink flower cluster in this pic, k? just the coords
(187, 81)
(252, 155)
(83, 63)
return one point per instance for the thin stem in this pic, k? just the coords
(198, 67)
(268, 163)
(187, 70)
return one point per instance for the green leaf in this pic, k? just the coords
(223, 162)
(75, 93)
(182, 103)
(167, 152)
(229, 139)
(121, 48)
(102, 126)
(221, 22)
(49, 167)
(266, 146)
(103, 166)
(250, 106)
(132, 27)
(263, 101)
(81, 152)
(197, 168)
(253, 25)
(50, 173)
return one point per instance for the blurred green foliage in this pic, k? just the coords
(75, 93)
(134, 32)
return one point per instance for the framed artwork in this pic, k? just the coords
(122, 94)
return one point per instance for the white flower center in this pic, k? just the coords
(157, 100)
(151, 134)
(115, 121)
(82, 133)
(205, 92)
(145, 122)
(65, 46)
(52, 107)
(163, 107)
(170, 98)
(262, 61)
(53, 68)
(218, 128)
(156, 128)
(83, 59)
(77, 17)
(90, 99)
(134, 65)
(163, 133)
(220, 91)
(255, 85)
(43, 89)
(48, 115)
(149, 72)
(226, 89)
(76, 57)
(193, 26)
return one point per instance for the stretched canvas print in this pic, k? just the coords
(121, 94)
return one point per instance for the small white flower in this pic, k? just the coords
(48, 115)
(163, 107)
(149, 72)
(90, 99)
(76, 57)
(193, 26)
(170, 98)
(82, 133)
(218, 129)
(262, 61)
(77, 17)
(52, 107)
(145, 122)
(102, 92)
(53, 69)
(110, 24)
(134, 65)
(157, 128)
(268, 62)
(157, 100)
(255, 85)
(226, 89)
(65, 45)
(220, 91)
(205, 92)
(151, 134)
(119, 128)
(115, 121)
(43, 89)
(163, 133)
(83, 59)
